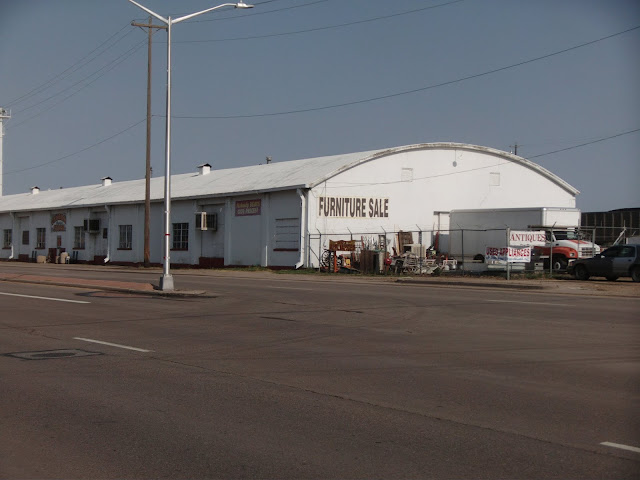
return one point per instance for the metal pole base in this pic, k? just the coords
(166, 283)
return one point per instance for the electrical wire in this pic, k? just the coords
(68, 71)
(409, 92)
(586, 143)
(247, 15)
(328, 27)
(179, 14)
(115, 61)
(79, 151)
(113, 64)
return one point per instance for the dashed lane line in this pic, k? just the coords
(621, 446)
(43, 298)
(117, 345)
(531, 303)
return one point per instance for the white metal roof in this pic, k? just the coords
(304, 173)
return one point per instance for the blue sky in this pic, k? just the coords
(73, 73)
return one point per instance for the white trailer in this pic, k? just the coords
(473, 231)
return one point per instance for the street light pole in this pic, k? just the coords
(166, 281)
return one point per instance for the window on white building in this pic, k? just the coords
(41, 238)
(180, 236)
(126, 237)
(78, 238)
(494, 179)
(406, 175)
(6, 238)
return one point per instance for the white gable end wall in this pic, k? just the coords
(411, 187)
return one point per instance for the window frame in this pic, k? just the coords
(7, 238)
(180, 236)
(79, 241)
(41, 238)
(125, 237)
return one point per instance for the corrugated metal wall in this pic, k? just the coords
(608, 225)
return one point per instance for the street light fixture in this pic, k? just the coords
(166, 281)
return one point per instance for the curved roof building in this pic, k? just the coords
(282, 213)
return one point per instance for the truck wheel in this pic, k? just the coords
(612, 278)
(635, 274)
(559, 264)
(581, 272)
(479, 258)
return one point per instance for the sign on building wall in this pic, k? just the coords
(59, 222)
(353, 207)
(537, 238)
(510, 254)
(248, 207)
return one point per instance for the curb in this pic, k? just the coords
(460, 283)
(110, 288)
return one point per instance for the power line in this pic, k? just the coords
(179, 14)
(258, 13)
(328, 27)
(79, 151)
(68, 71)
(587, 143)
(408, 92)
(113, 64)
(115, 61)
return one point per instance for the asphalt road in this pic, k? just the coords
(289, 377)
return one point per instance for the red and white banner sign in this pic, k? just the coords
(510, 254)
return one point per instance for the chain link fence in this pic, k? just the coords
(430, 251)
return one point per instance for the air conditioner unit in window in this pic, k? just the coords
(91, 225)
(206, 221)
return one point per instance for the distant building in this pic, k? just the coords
(280, 214)
(609, 225)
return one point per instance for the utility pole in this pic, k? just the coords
(4, 115)
(515, 149)
(147, 186)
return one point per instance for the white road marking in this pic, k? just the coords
(43, 298)
(620, 446)
(531, 303)
(112, 344)
(290, 288)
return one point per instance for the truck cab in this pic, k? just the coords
(564, 246)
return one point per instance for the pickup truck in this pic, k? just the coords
(613, 263)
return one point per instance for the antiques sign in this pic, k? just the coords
(537, 238)
(59, 222)
(353, 207)
(248, 207)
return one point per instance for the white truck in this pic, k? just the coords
(473, 231)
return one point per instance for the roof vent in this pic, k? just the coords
(35, 190)
(204, 169)
(269, 160)
(106, 181)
